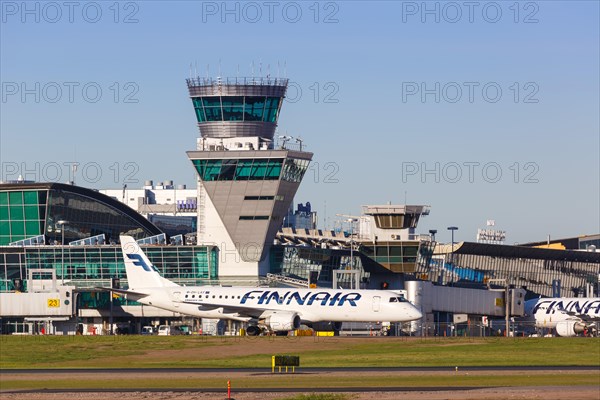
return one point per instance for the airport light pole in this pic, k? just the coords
(432, 232)
(351, 221)
(452, 229)
(62, 224)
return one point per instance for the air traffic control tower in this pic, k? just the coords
(246, 182)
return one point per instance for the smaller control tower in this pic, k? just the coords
(246, 182)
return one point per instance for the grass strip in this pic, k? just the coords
(302, 381)
(31, 352)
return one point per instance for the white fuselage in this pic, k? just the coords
(312, 305)
(550, 311)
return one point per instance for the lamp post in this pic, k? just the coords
(351, 221)
(452, 229)
(62, 224)
(432, 232)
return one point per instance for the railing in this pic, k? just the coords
(259, 81)
(286, 279)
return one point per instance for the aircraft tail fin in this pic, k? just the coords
(141, 273)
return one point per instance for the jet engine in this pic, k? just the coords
(253, 330)
(281, 320)
(569, 328)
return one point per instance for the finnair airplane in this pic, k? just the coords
(275, 309)
(569, 316)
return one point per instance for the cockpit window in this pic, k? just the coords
(397, 299)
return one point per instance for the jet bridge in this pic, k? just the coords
(430, 298)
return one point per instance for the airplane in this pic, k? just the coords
(568, 316)
(266, 309)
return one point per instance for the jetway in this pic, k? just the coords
(58, 303)
(462, 302)
(43, 298)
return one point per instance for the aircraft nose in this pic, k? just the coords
(415, 314)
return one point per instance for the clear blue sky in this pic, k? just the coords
(416, 90)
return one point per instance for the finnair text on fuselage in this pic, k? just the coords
(324, 298)
(574, 306)
(274, 297)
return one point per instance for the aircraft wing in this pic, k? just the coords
(588, 319)
(136, 295)
(583, 317)
(242, 311)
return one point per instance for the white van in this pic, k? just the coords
(147, 330)
(164, 330)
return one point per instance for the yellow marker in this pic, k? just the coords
(52, 303)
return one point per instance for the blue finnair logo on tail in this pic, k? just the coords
(139, 261)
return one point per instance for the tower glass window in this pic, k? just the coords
(254, 109)
(239, 170)
(236, 108)
(233, 108)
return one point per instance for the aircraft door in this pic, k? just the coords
(176, 298)
(376, 303)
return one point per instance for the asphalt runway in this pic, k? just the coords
(299, 369)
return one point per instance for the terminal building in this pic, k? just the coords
(59, 242)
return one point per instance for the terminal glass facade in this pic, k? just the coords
(89, 266)
(88, 217)
(22, 214)
(298, 262)
(236, 108)
(32, 210)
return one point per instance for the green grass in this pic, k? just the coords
(31, 352)
(190, 351)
